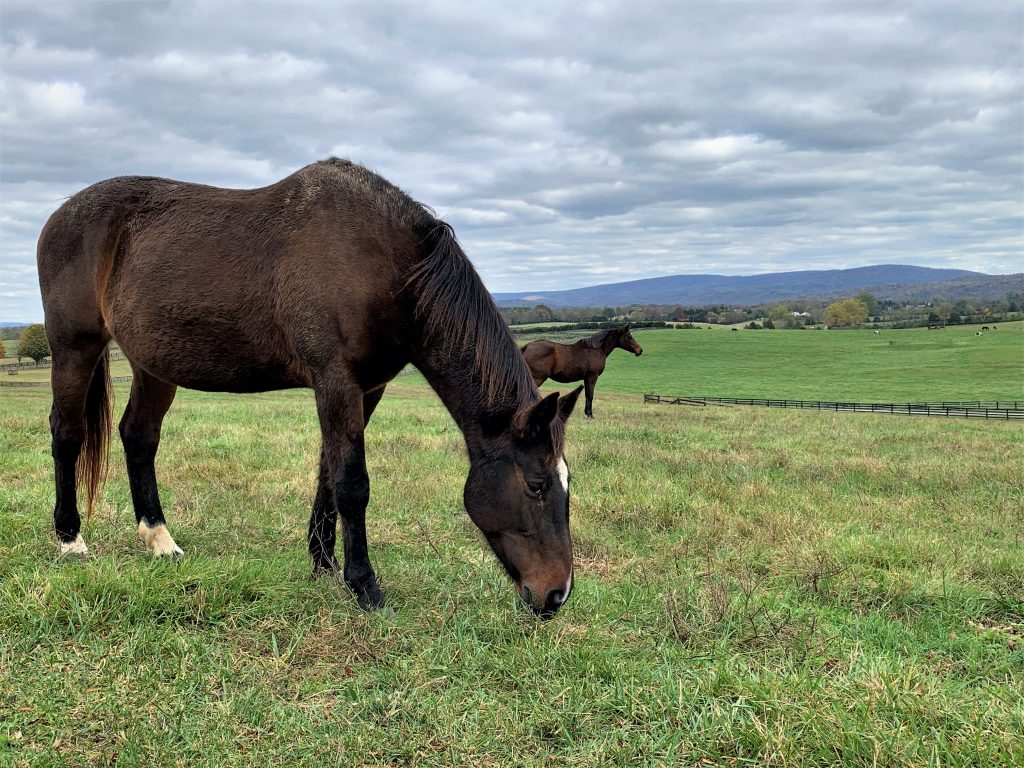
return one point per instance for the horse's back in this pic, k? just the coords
(563, 363)
(218, 288)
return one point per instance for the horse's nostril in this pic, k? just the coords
(555, 599)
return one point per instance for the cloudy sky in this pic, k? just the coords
(569, 144)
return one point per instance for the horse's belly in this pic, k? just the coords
(234, 379)
(214, 362)
(565, 377)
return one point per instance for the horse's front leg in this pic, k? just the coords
(324, 518)
(340, 408)
(589, 383)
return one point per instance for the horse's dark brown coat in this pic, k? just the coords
(333, 279)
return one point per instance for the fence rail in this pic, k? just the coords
(404, 372)
(29, 366)
(47, 383)
(975, 409)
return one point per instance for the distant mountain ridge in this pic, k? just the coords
(887, 281)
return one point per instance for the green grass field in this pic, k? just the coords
(894, 366)
(11, 350)
(754, 586)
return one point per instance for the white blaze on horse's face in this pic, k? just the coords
(563, 474)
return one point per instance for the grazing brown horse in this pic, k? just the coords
(582, 360)
(332, 279)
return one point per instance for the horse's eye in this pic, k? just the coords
(537, 487)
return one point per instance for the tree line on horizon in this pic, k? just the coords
(862, 309)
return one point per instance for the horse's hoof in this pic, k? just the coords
(325, 568)
(74, 548)
(369, 596)
(159, 541)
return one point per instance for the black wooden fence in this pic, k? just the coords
(47, 382)
(30, 366)
(405, 371)
(971, 409)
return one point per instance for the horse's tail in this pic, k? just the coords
(92, 461)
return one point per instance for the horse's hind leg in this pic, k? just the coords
(140, 434)
(75, 400)
(323, 522)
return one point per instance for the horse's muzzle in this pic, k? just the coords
(545, 608)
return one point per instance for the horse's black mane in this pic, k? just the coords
(597, 340)
(453, 303)
(451, 300)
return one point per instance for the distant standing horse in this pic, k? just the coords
(582, 360)
(332, 279)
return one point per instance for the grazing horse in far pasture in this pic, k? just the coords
(582, 360)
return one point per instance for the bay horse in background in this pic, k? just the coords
(582, 360)
(332, 279)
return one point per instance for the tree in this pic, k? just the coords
(543, 313)
(868, 300)
(846, 312)
(734, 316)
(781, 317)
(33, 343)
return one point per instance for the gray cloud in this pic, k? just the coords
(568, 145)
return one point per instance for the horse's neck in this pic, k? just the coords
(611, 342)
(459, 382)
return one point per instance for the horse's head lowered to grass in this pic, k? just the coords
(518, 495)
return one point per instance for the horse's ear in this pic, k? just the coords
(567, 403)
(627, 326)
(533, 423)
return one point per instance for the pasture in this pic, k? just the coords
(752, 587)
(895, 366)
(11, 347)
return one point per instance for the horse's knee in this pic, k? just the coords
(68, 433)
(140, 443)
(352, 493)
(66, 446)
